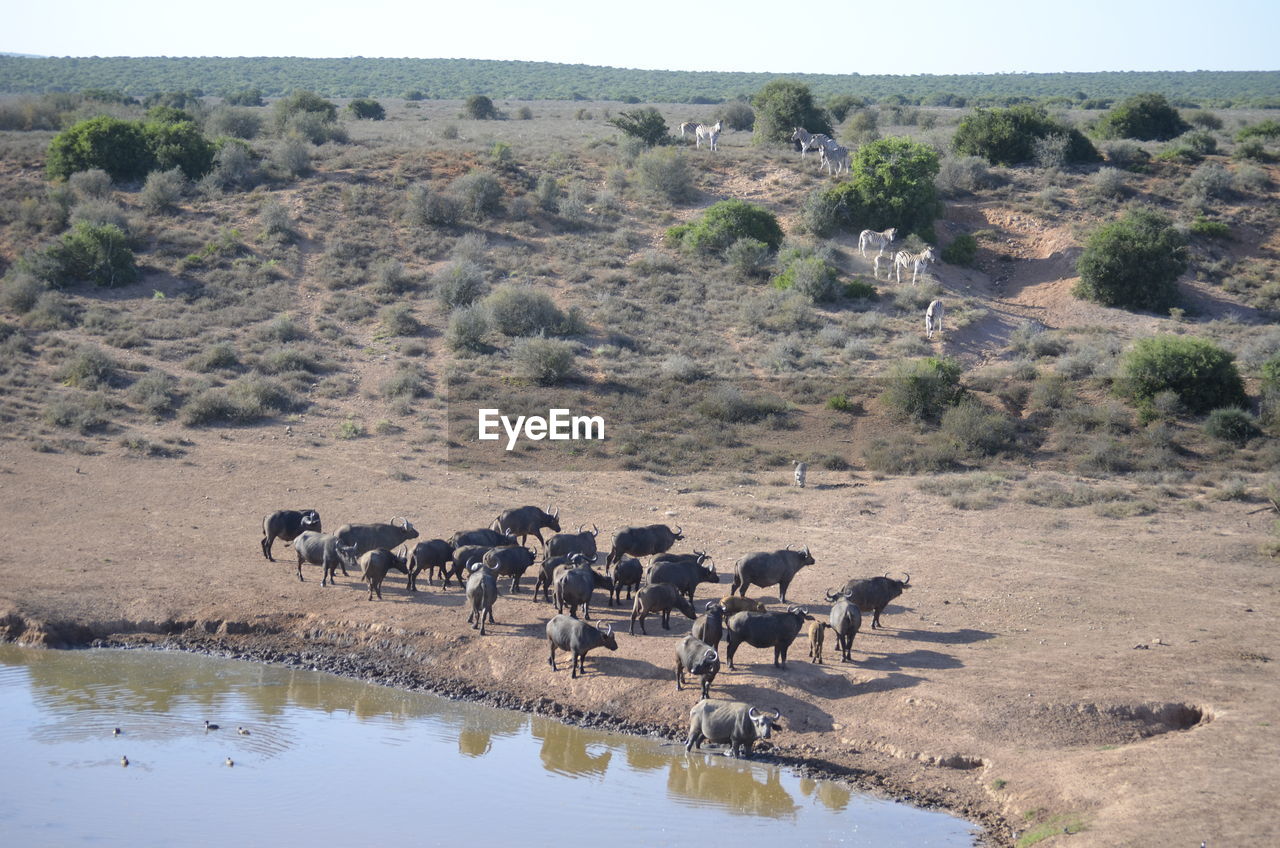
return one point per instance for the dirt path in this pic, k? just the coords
(1048, 667)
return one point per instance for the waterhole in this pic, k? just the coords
(323, 760)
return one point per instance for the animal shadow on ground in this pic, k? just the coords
(964, 636)
(822, 487)
(911, 659)
(817, 680)
(891, 681)
(603, 661)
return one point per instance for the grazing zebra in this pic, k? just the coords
(933, 318)
(801, 468)
(808, 141)
(711, 134)
(688, 127)
(835, 157)
(923, 259)
(880, 240)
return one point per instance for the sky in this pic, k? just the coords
(904, 37)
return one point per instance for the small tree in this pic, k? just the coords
(480, 108)
(1133, 263)
(1009, 136)
(117, 147)
(1203, 375)
(289, 108)
(1146, 117)
(180, 145)
(98, 254)
(366, 109)
(891, 184)
(725, 223)
(646, 124)
(737, 116)
(245, 97)
(783, 105)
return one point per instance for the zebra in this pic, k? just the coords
(932, 319)
(688, 127)
(711, 134)
(801, 468)
(808, 141)
(880, 240)
(923, 259)
(834, 157)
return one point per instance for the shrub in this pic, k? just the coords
(480, 193)
(840, 105)
(1251, 178)
(367, 109)
(85, 414)
(962, 250)
(290, 156)
(95, 253)
(459, 283)
(728, 404)
(1144, 116)
(244, 401)
(397, 320)
(1251, 148)
(978, 430)
(1133, 262)
(1208, 181)
(1205, 120)
(521, 311)
(216, 357)
(725, 223)
(276, 220)
(162, 190)
(548, 193)
(781, 106)
(1206, 228)
(409, 381)
(1232, 424)
(1268, 129)
(664, 172)
(179, 145)
(543, 362)
(962, 175)
(860, 290)
(94, 183)
(922, 388)
(747, 256)
(99, 212)
(116, 146)
(480, 108)
(646, 124)
(19, 291)
(1127, 155)
(468, 327)
(234, 167)
(155, 393)
(1108, 183)
(1271, 388)
(88, 368)
(426, 207)
(810, 276)
(1009, 136)
(821, 212)
(1203, 375)
(524, 113)
(737, 116)
(245, 97)
(891, 184)
(286, 110)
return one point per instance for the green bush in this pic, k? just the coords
(459, 283)
(840, 105)
(922, 388)
(811, 276)
(397, 320)
(1232, 424)
(116, 146)
(1207, 228)
(725, 223)
(979, 430)
(245, 97)
(1009, 136)
(543, 362)
(891, 184)
(245, 401)
(860, 290)
(781, 106)
(1127, 155)
(646, 124)
(480, 193)
(664, 172)
(962, 250)
(88, 253)
(1146, 117)
(93, 184)
(1203, 375)
(521, 311)
(367, 109)
(748, 256)
(155, 393)
(285, 112)
(963, 175)
(1271, 389)
(426, 207)
(480, 108)
(1205, 119)
(290, 156)
(179, 145)
(162, 190)
(728, 404)
(409, 381)
(1133, 262)
(88, 368)
(736, 116)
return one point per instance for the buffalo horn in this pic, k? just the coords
(608, 629)
(555, 514)
(777, 714)
(710, 604)
(580, 526)
(788, 546)
(712, 656)
(908, 580)
(679, 530)
(831, 596)
(752, 712)
(806, 551)
(595, 531)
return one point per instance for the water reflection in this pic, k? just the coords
(735, 786)
(564, 749)
(832, 795)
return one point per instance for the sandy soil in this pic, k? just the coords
(1046, 665)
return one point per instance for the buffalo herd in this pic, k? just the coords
(565, 577)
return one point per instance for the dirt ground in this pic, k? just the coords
(1048, 668)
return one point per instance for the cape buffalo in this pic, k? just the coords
(775, 630)
(577, 637)
(527, 521)
(643, 541)
(287, 525)
(768, 569)
(734, 722)
(874, 594)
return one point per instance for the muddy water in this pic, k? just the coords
(330, 761)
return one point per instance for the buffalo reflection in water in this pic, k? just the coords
(734, 786)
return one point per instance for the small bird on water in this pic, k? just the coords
(230, 762)
(115, 732)
(124, 761)
(242, 731)
(208, 726)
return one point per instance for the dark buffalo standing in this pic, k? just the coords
(710, 625)
(375, 564)
(874, 594)
(325, 550)
(463, 558)
(734, 722)
(430, 556)
(577, 637)
(547, 572)
(574, 587)
(287, 525)
(511, 562)
(525, 521)
(482, 591)
(627, 572)
(370, 537)
(643, 541)
(769, 569)
(484, 536)
(684, 573)
(582, 542)
(697, 657)
(846, 621)
(662, 598)
(775, 630)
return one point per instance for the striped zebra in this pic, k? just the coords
(835, 157)
(917, 261)
(808, 141)
(688, 127)
(933, 319)
(880, 240)
(711, 134)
